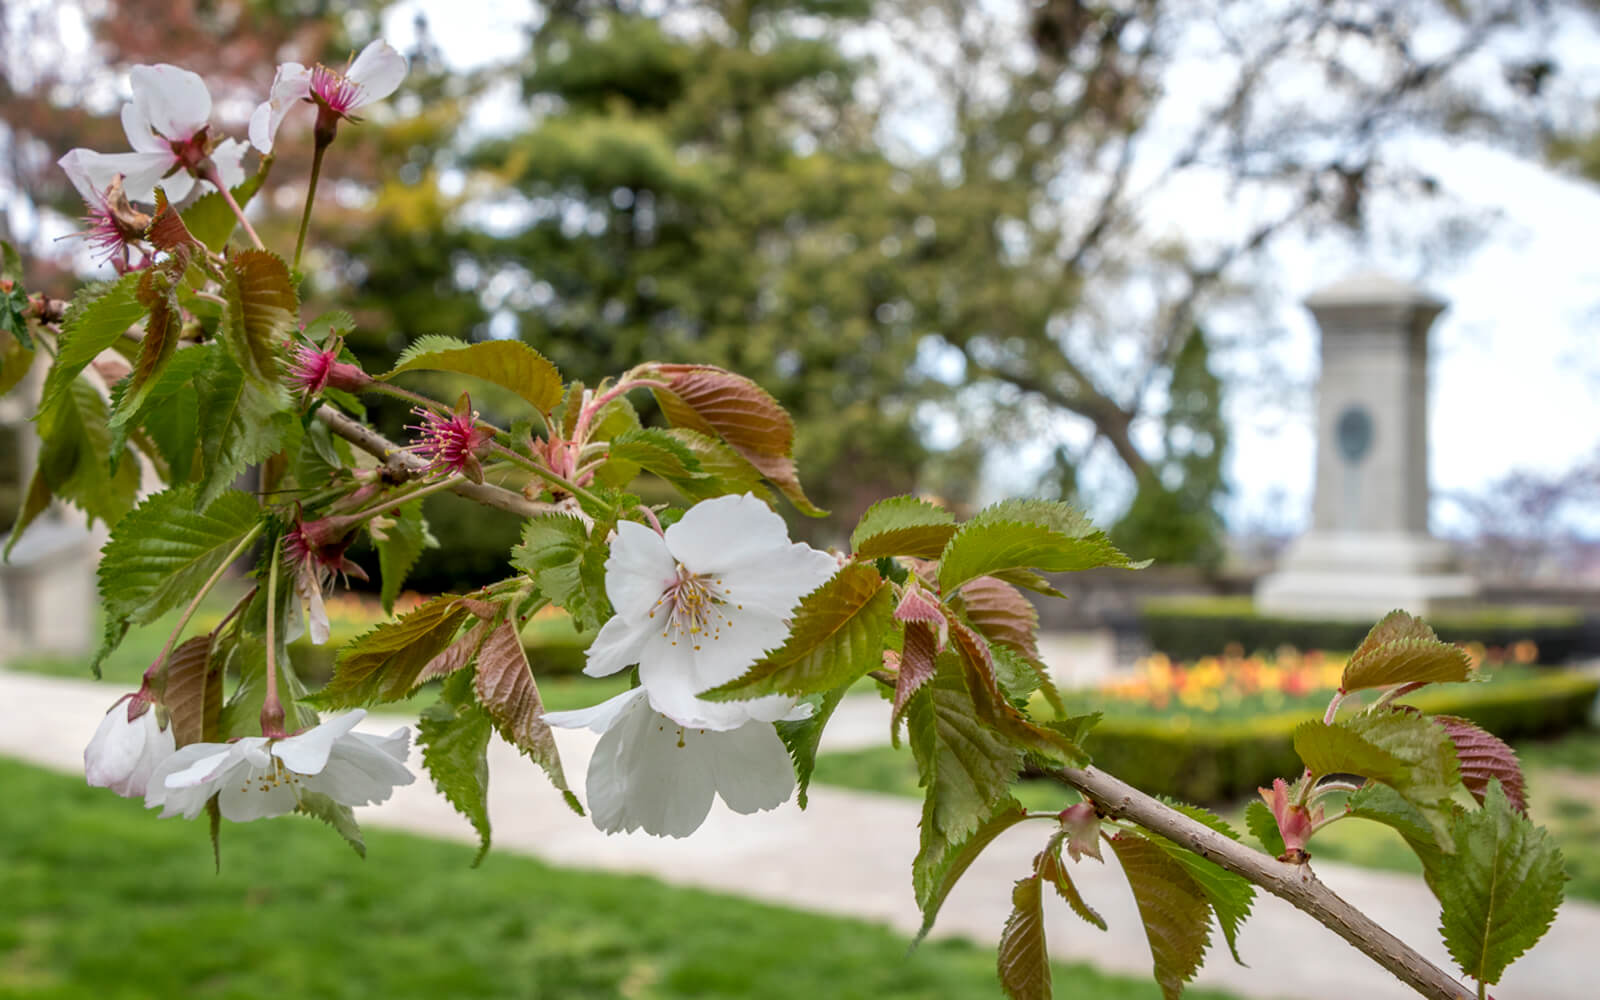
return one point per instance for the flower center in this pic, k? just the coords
(266, 781)
(334, 90)
(693, 606)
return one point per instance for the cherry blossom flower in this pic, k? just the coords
(127, 747)
(697, 605)
(168, 126)
(115, 227)
(451, 444)
(653, 774)
(374, 75)
(255, 777)
(313, 370)
(315, 552)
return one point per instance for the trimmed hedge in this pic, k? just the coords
(1218, 762)
(1189, 629)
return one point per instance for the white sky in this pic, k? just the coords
(1515, 370)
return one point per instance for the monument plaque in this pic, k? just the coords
(1368, 550)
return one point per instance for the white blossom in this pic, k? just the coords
(256, 777)
(697, 606)
(167, 124)
(374, 75)
(650, 773)
(126, 748)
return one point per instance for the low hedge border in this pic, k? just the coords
(1188, 630)
(1220, 762)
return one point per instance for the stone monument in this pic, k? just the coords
(1368, 550)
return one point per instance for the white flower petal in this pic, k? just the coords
(778, 579)
(256, 793)
(122, 755)
(174, 101)
(316, 612)
(308, 752)
(140, 135)
(725, 531)
(596, 718)
(177, 186)
(82, 167)
(378, 70)
(618, 644)
(229, 157)
(647, 775)
(676, 667)
(291, 84)
(751, 767)
(638, 570)
(140, 173)
(363, 770)
(196, 763)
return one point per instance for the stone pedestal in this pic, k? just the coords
(1368, 550)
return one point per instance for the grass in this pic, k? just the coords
(104, 901)
(1562, 801)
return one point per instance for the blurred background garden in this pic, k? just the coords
(1015, 247)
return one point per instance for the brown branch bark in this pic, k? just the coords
(1296, 883)
(402, 466)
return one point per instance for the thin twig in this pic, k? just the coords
(1296, 883)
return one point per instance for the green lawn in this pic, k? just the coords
(104, 901)
(1564, 787)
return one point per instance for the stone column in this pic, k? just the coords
(1368, 550)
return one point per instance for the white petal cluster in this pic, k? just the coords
(375, 74)
(126, 748)
(695, 606)
(256, 777)
(169, 109)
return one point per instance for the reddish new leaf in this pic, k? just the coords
(916, 666)
(1483, 757)
(1000, 612)
(1175, 913)
(1024, 963)
(719, 403)
(194, 692)
(456, 655)
(1048, 866)
(506, 690)
(995, 711)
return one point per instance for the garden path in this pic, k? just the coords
(849, 854)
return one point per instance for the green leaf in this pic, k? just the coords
(1500, 890)
(399, 546)
(1264, 828)
(241, 422)
(722, 404)
(985, 546)
(965, 766)
(995, 711)
(211, 221)
(1402, 649)
(1175, 912)
(75, 463)
(940, 863)
(1337, 750)
(1432, 775)
(1383, 804)
(161, 553)
(656, 451)
(802, 736)
(328, 324)
(336, 814)
(454, 735)
(262, 312)
(506, 690)
(568, 565)
(1484, 757)
(1049, 866)
(1023, 961)
(386, 663)
(722, 470)
(245, 655)
(837, 636)
(510, 364)
(161, 333)
(16, 346)
(170, 411)
(96, 318)
(193, 694)
(902, 526)
(1230, 895)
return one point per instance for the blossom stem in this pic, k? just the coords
(159, 668)
(311, 195)
(384, 503)
(209, 173)
(271, 707)
(652, 516)
(552, 478)
(1333, 707)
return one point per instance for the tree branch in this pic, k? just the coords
(402, 465)
(1296, 883)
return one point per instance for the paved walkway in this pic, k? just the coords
(850, 854)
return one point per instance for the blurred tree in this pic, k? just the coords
(1174, 516)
